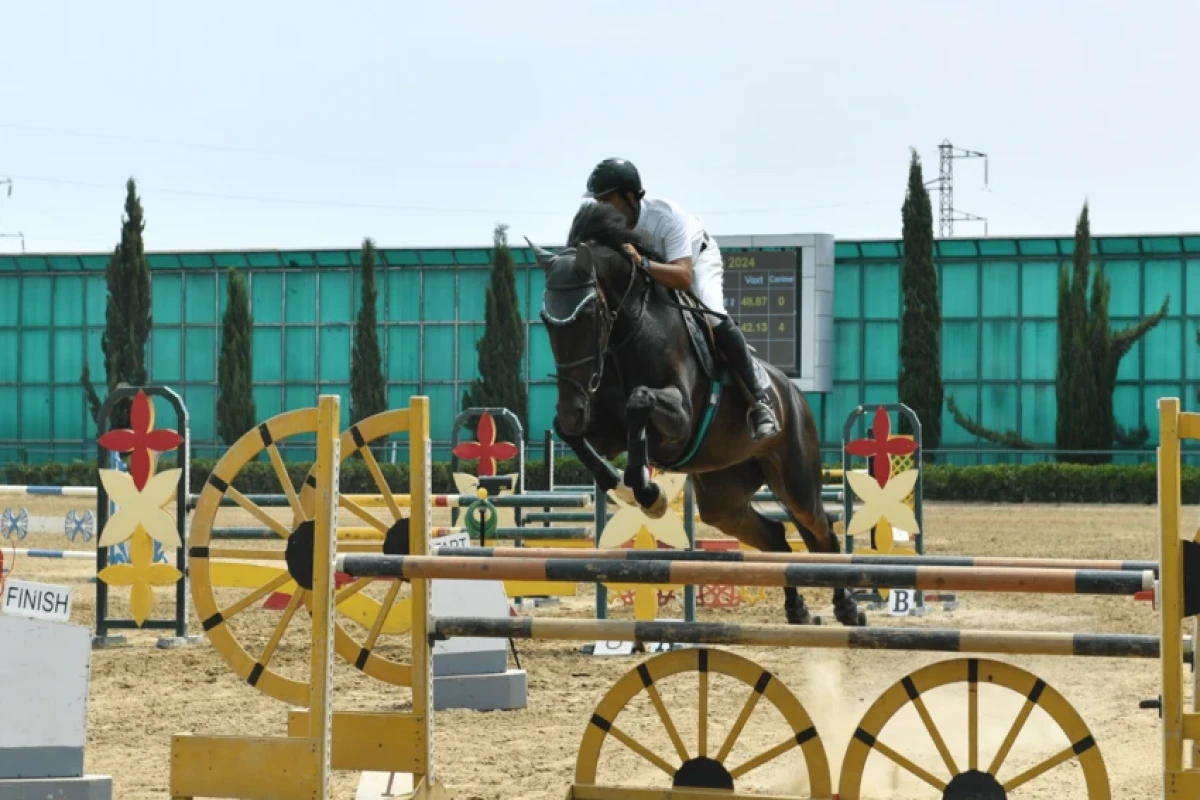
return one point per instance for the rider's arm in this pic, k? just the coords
(676, 273)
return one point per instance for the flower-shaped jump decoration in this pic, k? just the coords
(881, 447)
(143, 510)
(141, 440)
(140, 574)
(14, 524)
(487, 450)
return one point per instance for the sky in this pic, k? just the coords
(311, 125)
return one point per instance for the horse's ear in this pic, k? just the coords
(544, 257)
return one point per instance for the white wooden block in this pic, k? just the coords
(45, 722)
(381, 785)
(469, 655)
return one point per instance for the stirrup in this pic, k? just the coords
(772, 421)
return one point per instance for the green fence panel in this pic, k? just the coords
(960, 290)
(268, 401)
(403, 293)
(441, 297)
(10, 300)
(68, 302)
(339, 302)
(1000, 347)
(881, 291)
(265, 346)
(468, 356)
(266, 297)
(35, 356)
(166, 354)
(166, 294)
(1039, 350)
(200, 348)
(300, 289)
(1161, 348)
(200, 298)
(847, 292)
(1039, 413)
(847, 344)
(403, 353)
(10, 365)
(881, 348)
(960, 350)
(37, 300)
(472, 288)
(1000, 287)
(300, 354)
(1039, 289)
(439, 353)
(335, 353)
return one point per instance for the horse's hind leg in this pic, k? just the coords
(798, 487)
(724, 501)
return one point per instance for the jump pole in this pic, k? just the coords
(800, 557)
(675, 571)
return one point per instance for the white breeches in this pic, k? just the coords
(708, 276)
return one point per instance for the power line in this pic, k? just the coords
(566, 210)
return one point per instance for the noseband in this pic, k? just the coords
(605, 325)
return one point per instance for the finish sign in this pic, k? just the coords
(37, 601)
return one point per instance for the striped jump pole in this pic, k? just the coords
(676, 571)
(263, 534)
(1099, 645)
(89, 555)
(800, 557)
(67, 491)
(437, 501)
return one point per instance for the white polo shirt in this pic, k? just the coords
(676, 233)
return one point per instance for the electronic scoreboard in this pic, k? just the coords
(782, 298)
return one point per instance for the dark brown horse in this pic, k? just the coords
(632, 378)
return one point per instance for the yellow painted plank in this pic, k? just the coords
(370, 741)
(540, 588)
(1182, 785)
(1191, 727)
(250, 768)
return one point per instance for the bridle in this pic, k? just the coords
(606, 323)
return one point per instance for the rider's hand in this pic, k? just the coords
(633, 253)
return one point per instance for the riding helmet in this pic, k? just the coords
(613, 175)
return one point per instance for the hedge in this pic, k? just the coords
(1001, 483)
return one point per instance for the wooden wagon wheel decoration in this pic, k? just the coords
(393, 613)
(294, 562)
(257, 670)
(974, 782)
(705, 769)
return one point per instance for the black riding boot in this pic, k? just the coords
(754, 380)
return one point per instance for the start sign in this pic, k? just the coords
(36, 601)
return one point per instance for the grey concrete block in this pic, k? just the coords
(501, 691)
(89, 787)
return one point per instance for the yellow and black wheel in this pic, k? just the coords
(377, 605)
(217, 571)
(278, 571)
(703, 769)
(974, 782)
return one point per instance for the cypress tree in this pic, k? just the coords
(920, 381)
(235, 398)
(367, 386)
(127, 314)
(1089, 355)
(501, 350)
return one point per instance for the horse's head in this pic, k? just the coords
(579, 318)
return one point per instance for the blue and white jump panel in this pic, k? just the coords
(44, 684)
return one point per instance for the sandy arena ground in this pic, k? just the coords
(141, 695)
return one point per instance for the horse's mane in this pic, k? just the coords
(604, 225)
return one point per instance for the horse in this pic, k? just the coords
(635, 375)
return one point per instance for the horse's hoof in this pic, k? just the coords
(658, 507)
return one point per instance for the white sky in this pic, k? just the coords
(305, 124)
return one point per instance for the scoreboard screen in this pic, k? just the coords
(761, 296)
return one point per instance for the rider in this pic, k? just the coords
(693, 262)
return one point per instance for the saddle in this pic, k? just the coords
(700, 333)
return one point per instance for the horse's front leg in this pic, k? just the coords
(665, 408)
(605, 474)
